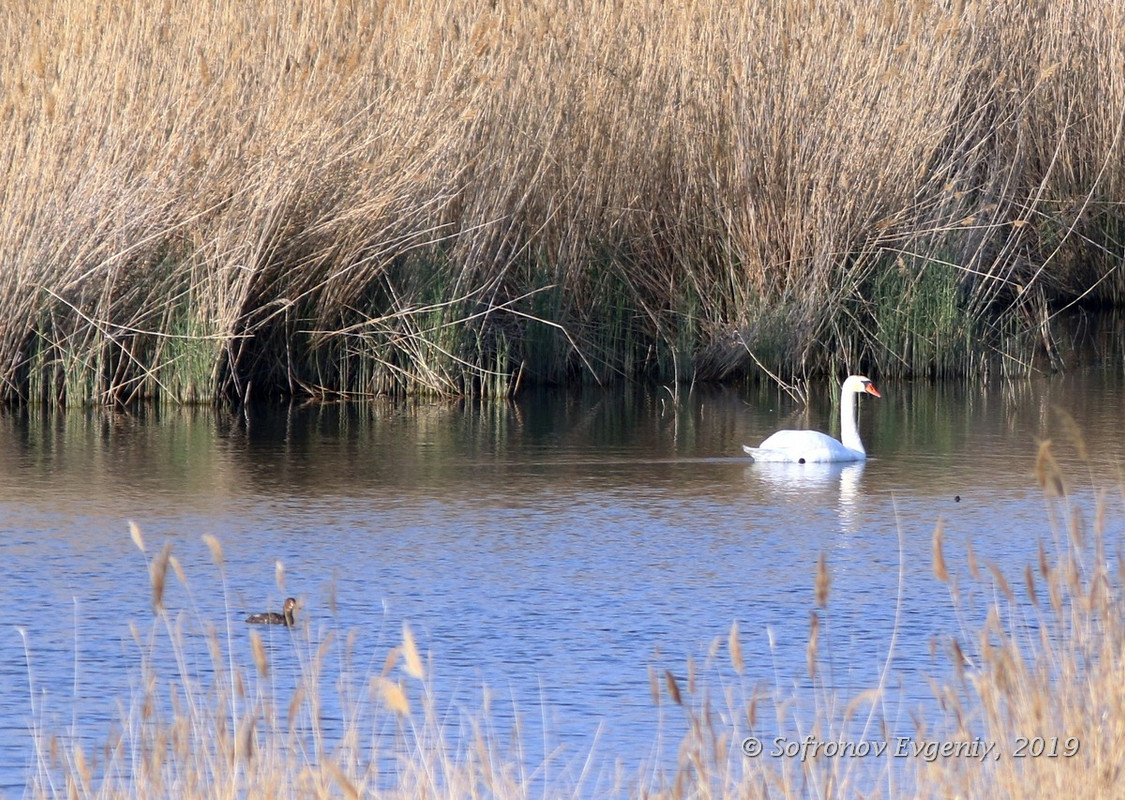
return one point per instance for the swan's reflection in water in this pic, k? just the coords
(840, 480)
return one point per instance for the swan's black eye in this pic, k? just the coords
(800, 461)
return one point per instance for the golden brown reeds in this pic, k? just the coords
(1032, 704)
(351, 198)
(342, 199)
(1043, 681)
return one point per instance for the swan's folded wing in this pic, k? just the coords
(766, 454)
(802, 447)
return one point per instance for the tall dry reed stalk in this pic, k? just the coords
(202, 200)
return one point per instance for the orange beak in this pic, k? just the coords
(870, 388)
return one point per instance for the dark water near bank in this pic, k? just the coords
(553, 549)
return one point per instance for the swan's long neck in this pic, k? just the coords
(849, 431)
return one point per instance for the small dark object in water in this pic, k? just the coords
(273, 618)
(956, 498)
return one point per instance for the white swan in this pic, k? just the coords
(811, 447)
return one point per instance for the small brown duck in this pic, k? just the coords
(273, 618)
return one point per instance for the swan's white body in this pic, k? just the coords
(813, 447)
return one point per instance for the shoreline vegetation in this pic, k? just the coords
(1030, 703)
(348, 198)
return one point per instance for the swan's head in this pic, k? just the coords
(860, 385)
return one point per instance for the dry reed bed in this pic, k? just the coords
(344, 198)
(1036, 658)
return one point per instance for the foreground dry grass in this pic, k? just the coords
(1038, 666)
(348, 197)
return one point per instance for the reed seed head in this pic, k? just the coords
(1073, 432)
(178, 569)
(215, 548)
(394, 695)
(138, 537)
(389, 662)
(158, 571)
(1001, 581)
(413, 662)
(259, 652)
(823, 581)
(813, 645)
(673, 687)
(940, 570)
(1029, 583)
(735, 648)
(1048, 473)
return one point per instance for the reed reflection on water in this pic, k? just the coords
(552, 549)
